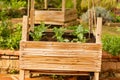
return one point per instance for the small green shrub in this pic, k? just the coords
(10, 35)
(12, 8)
(118, 5)
(111, 44)
(117, 19)
(38, 32)
(100, 12)
(79, 32)
(59, 34)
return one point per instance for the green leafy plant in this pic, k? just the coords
(5, 31)
(10, 35)
(16, 4)
(59, 34)
(38, 32)
(15, 37)
(79, 31)
(117, 19)
(13, 71)
(111, 44)
(13, 8)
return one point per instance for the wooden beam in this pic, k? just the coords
(96, 76)
(63, 5)
(99, 30)
(45, 2)
(75, 4)
(28, 9)
(32, 13)
(25, 28)
(22, 75)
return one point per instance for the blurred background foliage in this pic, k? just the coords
(18, 8)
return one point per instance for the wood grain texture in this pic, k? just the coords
(25, 28)
(60, 56)
(55, 16)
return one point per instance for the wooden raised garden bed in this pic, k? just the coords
(61, 58)
(53, 16)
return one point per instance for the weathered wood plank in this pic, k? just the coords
(65, 67)
(61, 72)
(61, 45)
(61, 53)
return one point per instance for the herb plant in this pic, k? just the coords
(59, 34)
(79, 32)
(10, 35)
(100, 12)
(38, 32)
(111, 44)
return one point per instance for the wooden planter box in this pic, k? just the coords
(60, 58)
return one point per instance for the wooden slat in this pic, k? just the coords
(49, 22)
(63, 5)
(75, 4)
(61, 60)
(45, 2)
(61, 45)
(65, 67)
(60, 72)
(72, 53)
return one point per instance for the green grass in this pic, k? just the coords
(113, 31)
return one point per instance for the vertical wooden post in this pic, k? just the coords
(96, 76)
(63, 5)
(94, 13)
(90, 20)
(22, 75)
(25, 28)
(28, 8)
(32, 15)
(45, 2)
(75, 4)
(98, 30)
